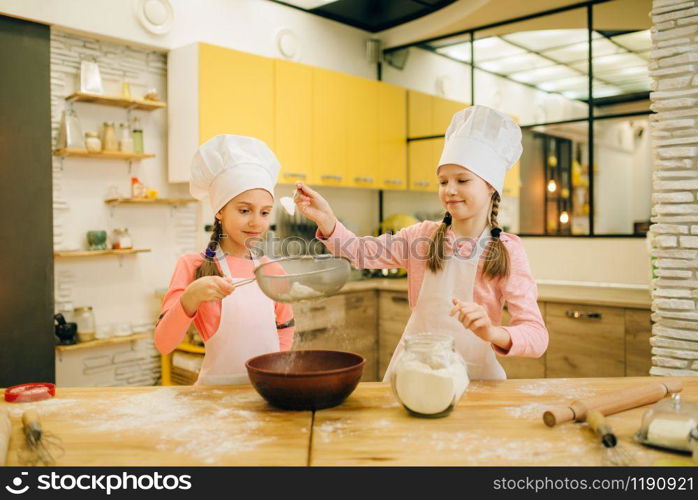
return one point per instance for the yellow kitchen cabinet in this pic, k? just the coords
(429, 115)
(419, 114)
(392, 136)
(329, 115)
(442, 111)
(423, 156)
(214, 90)
(293, 120)
(362, 131)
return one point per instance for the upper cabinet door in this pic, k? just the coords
(442, 112)
(419, 118)
(362, 131)
(293, 123)
(236, 94)
(330, 108)
(392, 136)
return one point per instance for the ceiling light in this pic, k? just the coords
(309, 4)
(460, 51)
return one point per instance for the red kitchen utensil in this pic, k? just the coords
(24, 393)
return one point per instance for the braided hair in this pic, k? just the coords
(496, 255)
(208, 267)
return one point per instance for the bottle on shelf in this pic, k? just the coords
(125, 140)
(138, 190)
(109, 141)
(137, 135)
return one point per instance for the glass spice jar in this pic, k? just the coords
(92, 142)
(85, 318)
(109, 140)
(121, 239)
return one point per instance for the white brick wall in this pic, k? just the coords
(675, 210)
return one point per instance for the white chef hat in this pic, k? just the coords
(227, 165)
(484, 141)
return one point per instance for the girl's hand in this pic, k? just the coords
(474, 317)
(311, 204)
(205, 289)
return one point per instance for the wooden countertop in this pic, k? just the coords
(496, 423)
(592, 295)
(184, 425)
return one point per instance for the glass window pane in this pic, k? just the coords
(554, 196)
(622, 175)
(638, 41)
(460, 51)
(509, 65)
(579, 52)
(531, 85)
(494, 47)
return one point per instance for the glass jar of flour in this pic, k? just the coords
(429, 376)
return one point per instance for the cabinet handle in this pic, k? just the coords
(299, 176)
(394, 182)
(583, 315)
(569, 362)
(317, 309)
(363, 179)
(398, 298)
(422, 183)
(331, 177)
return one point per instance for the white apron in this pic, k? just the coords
(247, 328)
(456, 279)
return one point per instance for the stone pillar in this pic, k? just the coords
(674, 72)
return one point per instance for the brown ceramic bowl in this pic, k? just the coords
(305, 380)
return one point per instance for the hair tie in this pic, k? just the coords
(447, 219)
(495, 232)
(210, 254)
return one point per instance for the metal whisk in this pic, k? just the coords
(41, 447)
(613, 453)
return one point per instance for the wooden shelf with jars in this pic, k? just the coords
(106, 155)
(103, 342)
(149, 201)
(98, 253)
(116, 101)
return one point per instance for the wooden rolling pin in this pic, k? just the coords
(5, 431)
(613, 402)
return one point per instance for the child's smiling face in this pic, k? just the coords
(462, 193)
(245, 219)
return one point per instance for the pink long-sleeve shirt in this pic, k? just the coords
(408, 249)
(174, 321)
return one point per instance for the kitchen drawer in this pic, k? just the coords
(362, 327)
(319, 313)
(638, 352)
(518, 367)
(394, 311)
(585, 341)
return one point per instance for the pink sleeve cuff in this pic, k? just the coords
(516, 349)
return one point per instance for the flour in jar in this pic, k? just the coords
(429, 391)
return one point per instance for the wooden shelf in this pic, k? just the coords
(116, 101)
(97, 253)
(103, 342)
(110, 155)
(187, 347)
(155, 201)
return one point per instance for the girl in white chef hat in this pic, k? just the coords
(237, 174)
(463, 269)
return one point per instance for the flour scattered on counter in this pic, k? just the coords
(327, 431)
(531, 411)
(557, 388)
(44, 407)
(181, 422)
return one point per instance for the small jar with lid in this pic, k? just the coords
(429, 376)
(109, 140)
(93, 142)
(121, 239)
(85, 318)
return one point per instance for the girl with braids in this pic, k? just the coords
(464, 269)
(237, 174)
